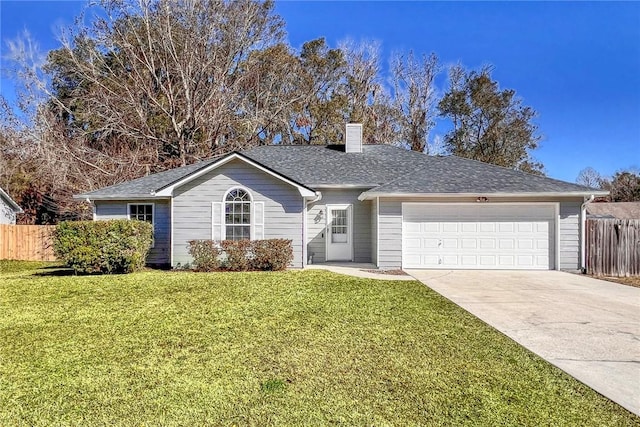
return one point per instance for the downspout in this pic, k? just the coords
(583, 243)
(93, 208)
(307, 258)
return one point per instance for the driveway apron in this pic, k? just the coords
(588, 328)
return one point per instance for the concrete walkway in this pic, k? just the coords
(588, 328)
(357, 270)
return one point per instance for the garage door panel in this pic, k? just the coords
(542, 244)
(507, 244)
(449, 261)
(469, 244)
(449, 227)
(469, 227)
(507, 260)
(487, 227)
(415, 227)
(524, 243)
(487, 260)
(430, 227)
(450, 243)
(430, 243)
(413, 243)
(525, 260)
(505, 227)
(498, 236)
(487, 243)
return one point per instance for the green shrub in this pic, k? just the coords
(206, 255)
(116, 246)
(241, 255)
(273, 254)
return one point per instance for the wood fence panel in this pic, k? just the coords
(613, 247)
(27, 242)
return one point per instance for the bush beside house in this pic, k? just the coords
(241, 255)
(116, 246)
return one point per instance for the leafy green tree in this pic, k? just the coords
(321, 117)
(489, 124)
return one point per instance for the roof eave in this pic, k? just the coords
(368, 195)
(16, 207)
(89, 196)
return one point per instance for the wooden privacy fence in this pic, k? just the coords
(613, 247)
(27, 242)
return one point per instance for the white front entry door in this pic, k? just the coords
(339, 233)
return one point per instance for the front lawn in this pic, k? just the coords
(291, 348)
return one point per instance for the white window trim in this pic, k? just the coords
(153, 217)
(223, 222)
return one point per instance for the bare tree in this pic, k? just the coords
(167, 73)
(416, 97)
(589, 177)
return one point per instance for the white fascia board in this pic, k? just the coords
(16, 208)
(343, 186)
(168, 191)
(369, 195)
(90, 198)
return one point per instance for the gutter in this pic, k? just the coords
(370, 195)
(306, 257)
(583, 223)
(118, 197)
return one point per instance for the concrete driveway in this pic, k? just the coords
(588, 328)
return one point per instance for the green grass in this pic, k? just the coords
(291, 348)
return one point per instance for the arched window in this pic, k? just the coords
(237, 215)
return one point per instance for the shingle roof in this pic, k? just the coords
(450, 174)
(381, 168)
(147, 185)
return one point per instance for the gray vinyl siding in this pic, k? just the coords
(390, 234)
(569, 226)
(192, 207)
(159, 254)
(317, 222)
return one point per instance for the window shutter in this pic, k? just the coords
(216, 221)
(258, 220)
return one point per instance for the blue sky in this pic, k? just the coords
(576, 63)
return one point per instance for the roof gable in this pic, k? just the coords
(167, 191)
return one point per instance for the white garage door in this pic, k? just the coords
(478, 236)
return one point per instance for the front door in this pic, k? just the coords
(339, 233)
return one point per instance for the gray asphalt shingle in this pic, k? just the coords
(381, 168)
